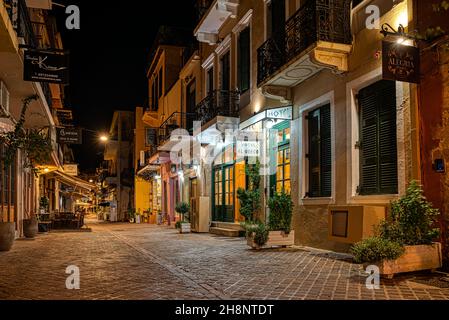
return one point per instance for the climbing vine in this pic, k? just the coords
(35, 145)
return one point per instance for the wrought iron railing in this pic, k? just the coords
(177, 120)
(218, 103)
(201, 8)
(316, 20)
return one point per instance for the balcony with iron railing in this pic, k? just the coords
(317, 36)
(176, 121)
(23, 27)
(223, 103)
(213, 18)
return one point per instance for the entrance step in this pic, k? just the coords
(225, 232)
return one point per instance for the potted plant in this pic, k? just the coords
(30, 226)
(7, 234)
(131, 216)
(279, 233)
(404, 242)
(43, 205)
(183, 209)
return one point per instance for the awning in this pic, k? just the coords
(148, 168)
(74, 181)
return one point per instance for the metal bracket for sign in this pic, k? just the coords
(49, 50)
(388, 30)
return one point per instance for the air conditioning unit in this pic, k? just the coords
(351, 224)
(4, 100)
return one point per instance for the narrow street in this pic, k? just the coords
(130, 261)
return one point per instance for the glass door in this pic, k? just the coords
(223, 207)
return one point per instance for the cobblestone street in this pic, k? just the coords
(124, 261)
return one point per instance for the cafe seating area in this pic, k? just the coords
(60, 221)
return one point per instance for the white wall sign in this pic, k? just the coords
(285, 113)
(248, 149)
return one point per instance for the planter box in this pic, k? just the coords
(185, 228)
(415, 258)
(275, 239)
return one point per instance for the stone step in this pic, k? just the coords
(225, 232)
(226, 225)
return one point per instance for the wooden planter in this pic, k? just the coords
(275, 239)
(415, 258)
(185, 228)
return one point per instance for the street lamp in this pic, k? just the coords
(104, 138)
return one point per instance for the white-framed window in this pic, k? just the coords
(223, 52)
(317, 150)
(243, 36)
(209, 74)
(371, 163)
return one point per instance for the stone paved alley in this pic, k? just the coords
(124, 261)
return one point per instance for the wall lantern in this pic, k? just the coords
(400, 34)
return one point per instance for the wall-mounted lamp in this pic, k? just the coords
(400, 34)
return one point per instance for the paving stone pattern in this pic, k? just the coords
(124, 261)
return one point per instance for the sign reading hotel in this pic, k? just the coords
(400, 62)
(41, 66)
(70, 136)
(285, 113)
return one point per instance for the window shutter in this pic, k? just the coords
(244, 59)
(388, 165)
(378, 153)
(314, 154)
(326, 151)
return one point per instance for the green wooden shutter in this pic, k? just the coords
(326, 151)
(244, 60)
(320, 152)
(314, 154)
(378, 153)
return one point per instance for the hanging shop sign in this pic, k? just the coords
(400, 62)
(70, 135)
(65, 117)
(42, 66)
(71, 170)
(150, 137)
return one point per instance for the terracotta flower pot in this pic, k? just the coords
(30, 228)
(7, 235)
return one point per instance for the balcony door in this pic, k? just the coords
(190, 105)
(277, 18)
(225, 64)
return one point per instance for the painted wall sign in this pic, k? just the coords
(70, 135)
(248, 149)
(285, 113)
(400, 62)
(41, 66)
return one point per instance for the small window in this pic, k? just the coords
(161, 86)
(320, 153)
(244, 59)
(210, 80)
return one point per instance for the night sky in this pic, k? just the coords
(108, 59)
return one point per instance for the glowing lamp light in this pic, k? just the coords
(46, 170)
(104, 138)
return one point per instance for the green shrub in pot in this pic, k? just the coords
(281, 211)
(411, 222)
(376, 249)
